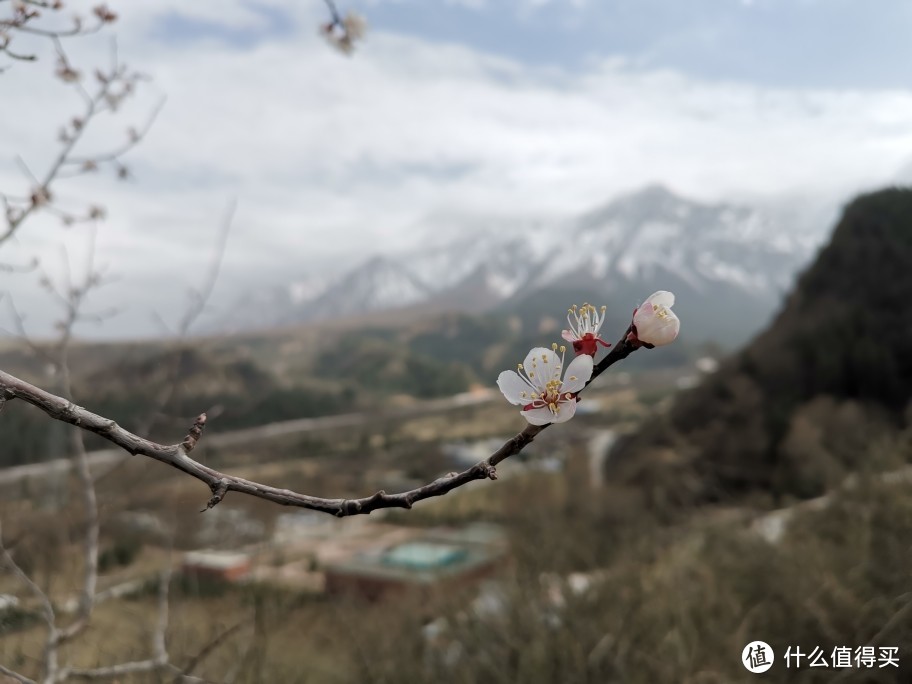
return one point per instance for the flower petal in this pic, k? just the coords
(644, 316)
(513, 388)
(662, 298)
(569, 335)
(566, 410)
(577, 374)
(665, 330)
(539, 416)
(540, 365)
(657, 330)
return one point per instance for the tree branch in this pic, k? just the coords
(204, 653)
(220, 483)
(46, 606)
(90, 557)
(15, 675)
(159, 659)
(114, 86)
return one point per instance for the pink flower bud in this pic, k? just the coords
(654, 322)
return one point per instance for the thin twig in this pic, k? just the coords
(104, 99)
(47, 607)
(90, 554)
(221, 483)
(204, 652)
(334, 12)
(15, 675)
(198, 300)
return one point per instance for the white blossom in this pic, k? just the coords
(343, 34)
(538, 387)
(585, 324)
(355, 25)
(338, 39)
(655, 322)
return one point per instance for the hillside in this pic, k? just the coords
(814, 396)
(240, 382)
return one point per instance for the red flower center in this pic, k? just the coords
(588, 345)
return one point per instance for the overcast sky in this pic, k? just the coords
(469, 107)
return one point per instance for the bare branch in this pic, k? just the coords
(19, 323)
(198, 300)
(204, 653)
(90, 555)
(159, 659)
(220, 483)
(134, 137)
(15, 675)
(47, 608)
(334, 12)
(114, 86)
(201, 296)
(115, 671)
(16, 268)
(23, 18)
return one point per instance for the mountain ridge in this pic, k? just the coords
(626, 246)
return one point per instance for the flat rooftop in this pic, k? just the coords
(430, 558)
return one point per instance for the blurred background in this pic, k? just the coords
(332, 239)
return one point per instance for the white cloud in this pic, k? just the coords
(330, 157)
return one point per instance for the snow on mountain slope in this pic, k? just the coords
(474, 264)
(379, 284)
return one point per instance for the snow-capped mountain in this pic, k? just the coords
(653, 231)
(267, 307)
(381, 283)
(637, 243)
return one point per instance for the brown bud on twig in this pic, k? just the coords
(195, 433)
(113, 101)
(104, 14)
(40, 196)
(66, 73)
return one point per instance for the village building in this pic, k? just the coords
(435, 560)
(216, 566)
